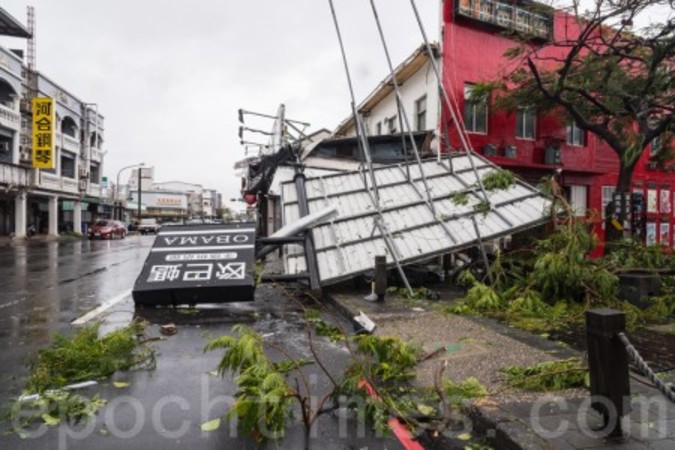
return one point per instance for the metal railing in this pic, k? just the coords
(13, 175)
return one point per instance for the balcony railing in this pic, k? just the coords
(94, 190)
(96, 154)
(9, 117)
(13, 175)
(57, 183)
(71, 144)
(505, 15)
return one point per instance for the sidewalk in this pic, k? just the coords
(6, 241)
(510, 419)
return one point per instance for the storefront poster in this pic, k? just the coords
(665, 201)
(651, 201)
(651, 233)
(665, 234)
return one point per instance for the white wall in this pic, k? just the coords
(421, 83)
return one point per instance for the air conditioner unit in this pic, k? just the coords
(84, 172)
(510, 151)
(25, 154)
(82, 185)
(552, 155)
(490, 150)
(25, 105)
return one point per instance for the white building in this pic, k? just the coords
(420, 100)
(192, 190)
(58, 199)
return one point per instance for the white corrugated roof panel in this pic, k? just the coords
(347, 244)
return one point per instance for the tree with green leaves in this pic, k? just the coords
(605, 75)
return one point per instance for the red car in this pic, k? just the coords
(107, 229)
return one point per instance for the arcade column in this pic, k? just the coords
(20, 214)
(77, 216)
(53, 216)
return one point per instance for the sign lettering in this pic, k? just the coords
(43, 133)
(222, 239)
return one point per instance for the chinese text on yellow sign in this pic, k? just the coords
(43, 133)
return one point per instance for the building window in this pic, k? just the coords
(526, 122)
(391, 124)
(378, 128)
(67, 164)
(94, 173)
(421, 113)
(575, 135)
(475, 112)
(69, 127)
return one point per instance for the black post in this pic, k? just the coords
(447, 265)
(139, 194)
(608, 366)
(380, 277)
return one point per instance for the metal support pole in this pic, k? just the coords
(380, 278)
(310, 251)
(139, 193)
(608, 366)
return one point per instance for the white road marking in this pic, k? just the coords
(101, 308)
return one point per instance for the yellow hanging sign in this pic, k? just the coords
(43, 133)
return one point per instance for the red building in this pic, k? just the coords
(473, 45)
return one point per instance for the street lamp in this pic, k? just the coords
(117, 187)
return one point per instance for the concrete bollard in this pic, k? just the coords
(608, 366)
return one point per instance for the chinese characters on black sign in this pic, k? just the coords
(43, 133)
(194, 264)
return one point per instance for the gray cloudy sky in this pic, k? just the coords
(169, 76)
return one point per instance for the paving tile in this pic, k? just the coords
(665, 444)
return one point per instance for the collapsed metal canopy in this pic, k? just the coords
(347, 244)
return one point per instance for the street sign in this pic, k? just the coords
(199, 264)
(104, 182)
(43, 133)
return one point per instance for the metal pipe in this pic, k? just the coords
(303, 224)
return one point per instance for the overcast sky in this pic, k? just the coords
(169, 76)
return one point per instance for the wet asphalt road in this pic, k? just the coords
(44, 286)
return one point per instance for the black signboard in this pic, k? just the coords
(199, 264)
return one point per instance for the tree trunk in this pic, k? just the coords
(614, 217)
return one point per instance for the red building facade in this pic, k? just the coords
(535, 145)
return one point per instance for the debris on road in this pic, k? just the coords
(168, 330)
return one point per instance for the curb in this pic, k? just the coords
(500, 428)
(504, 430)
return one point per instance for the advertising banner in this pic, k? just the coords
(43, 133)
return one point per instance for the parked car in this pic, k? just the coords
(148, 226)
(107, 229)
